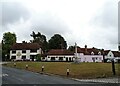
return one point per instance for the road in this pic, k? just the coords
(17, 76)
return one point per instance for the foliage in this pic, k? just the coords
(8, 40)
(38, 57)
(57, 42)
(72, 48)
(40, 39)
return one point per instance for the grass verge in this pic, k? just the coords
(82, 70)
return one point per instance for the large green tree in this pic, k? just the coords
(40, 39)
(8, 40)
(57, 42)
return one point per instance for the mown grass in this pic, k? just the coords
(82, 70)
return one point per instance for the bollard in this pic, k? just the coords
(42, 68)
(26, 66)
(14, 64)
(113, 67)
(68, 70)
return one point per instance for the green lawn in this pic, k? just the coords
(82, 70)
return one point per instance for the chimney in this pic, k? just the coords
(85, 48)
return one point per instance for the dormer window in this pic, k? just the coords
(99, 53)
(92, 53)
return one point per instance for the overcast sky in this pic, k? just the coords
(88, 22)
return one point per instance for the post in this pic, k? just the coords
(14, 64)
(68, 70)
(42, 68)
(6, 57)
(26, 66)
(113, 67)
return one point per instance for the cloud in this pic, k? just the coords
(93, 23)
(48, 24)
(105, 24)
(107, 16)
(12, 12)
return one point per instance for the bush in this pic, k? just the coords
(38, 57)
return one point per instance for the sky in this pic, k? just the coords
(87, 22)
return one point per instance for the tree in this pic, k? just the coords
(8, 40)
(38, 57)
(72, 48)
(40, 39)
(57, 42)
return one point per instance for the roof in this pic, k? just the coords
(60, 52)
(106, 52)
(116, 53)
(25, 46)
(88, 51)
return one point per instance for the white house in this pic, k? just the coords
(60, 55)
(90, 54)
(25, 51)
(83, 54)
(109, 55)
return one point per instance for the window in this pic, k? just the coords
(70, 59)
(13, 57)
(96, 58)
(23, 57)
(60, 58)
(14, 51)
(52, 58)
(33, 57)
(33, 50)
(23, 51)
(92, 53)
(99, 53)
(93, 59)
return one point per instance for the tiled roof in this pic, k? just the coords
(88, 51)
(106, 52)
(60, 52)
(25, 46)
(116, 53)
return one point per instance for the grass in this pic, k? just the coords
(82, 70)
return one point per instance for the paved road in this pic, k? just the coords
(17, 76)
